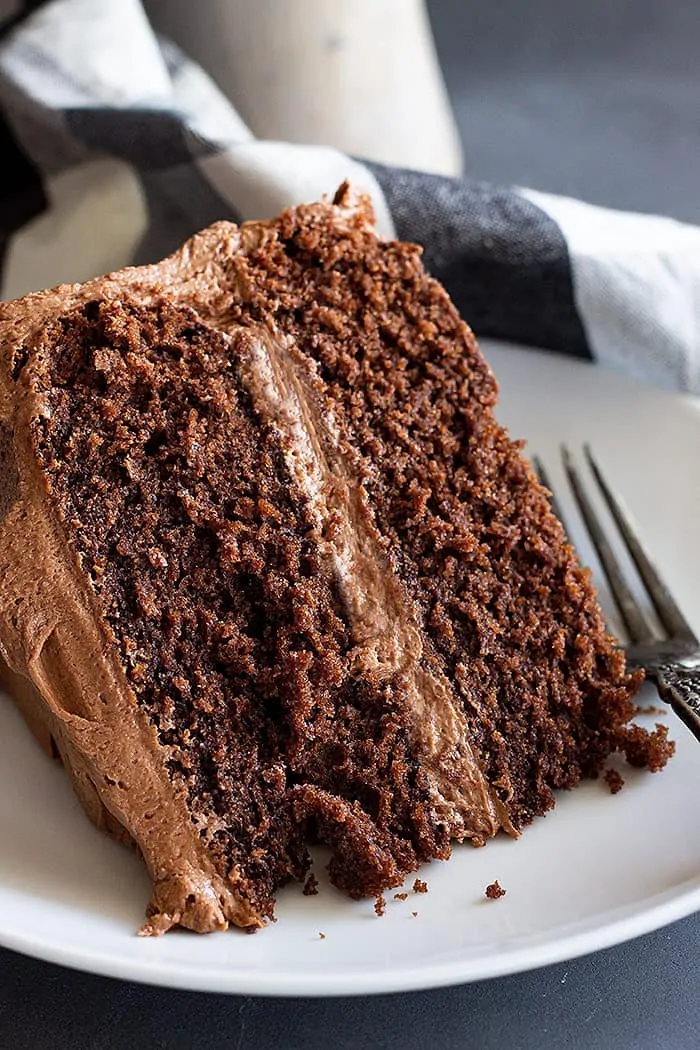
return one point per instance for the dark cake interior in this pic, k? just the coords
(285, 710)
(511, 617)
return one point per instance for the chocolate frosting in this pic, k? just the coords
(63, 670)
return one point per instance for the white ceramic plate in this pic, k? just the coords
(596, 871)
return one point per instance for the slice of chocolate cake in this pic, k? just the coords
(270, 571)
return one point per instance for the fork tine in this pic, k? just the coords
(543, 478)
(635, 621)
(668, 612)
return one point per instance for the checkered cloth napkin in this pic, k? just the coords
(116, 147)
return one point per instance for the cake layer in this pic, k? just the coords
(506, 614)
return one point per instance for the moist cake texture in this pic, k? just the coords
(270, 571)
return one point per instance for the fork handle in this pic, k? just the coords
(680, 687)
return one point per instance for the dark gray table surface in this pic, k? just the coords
(597, 99)
(643, 996)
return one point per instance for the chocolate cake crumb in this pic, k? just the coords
(652, 709)
(310, 886)
(420, 887)
(400, 896)
(614, 780)
(648, 750)
(414, 914)
(322, 936)
(380, 906)
(493, 891)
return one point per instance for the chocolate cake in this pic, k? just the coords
(270, 571)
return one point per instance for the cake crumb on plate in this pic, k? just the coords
(614, 780)
(420, 887)
(494, 890)
(310, 886)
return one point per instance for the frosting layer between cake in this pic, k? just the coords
(384, 621)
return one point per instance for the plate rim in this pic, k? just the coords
(643, 920)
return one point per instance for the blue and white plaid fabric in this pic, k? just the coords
(116, 148)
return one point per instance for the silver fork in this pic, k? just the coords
(671, 660)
